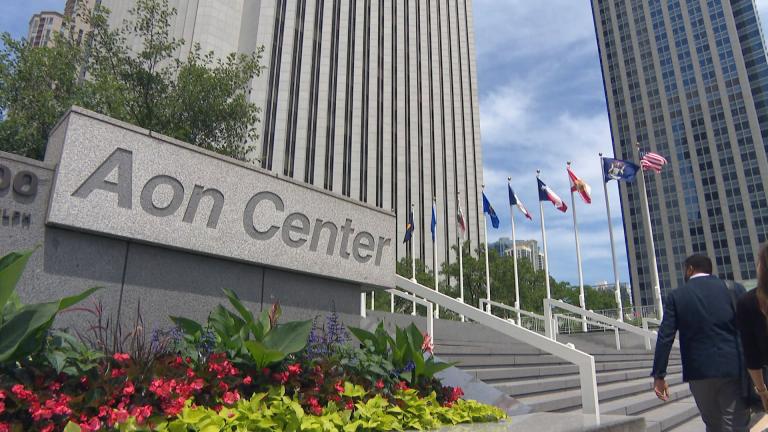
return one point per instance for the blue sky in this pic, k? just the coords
(541, 104)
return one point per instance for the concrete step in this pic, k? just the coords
(670, 415)
(641, 402)
(566, 400)
(695, 424)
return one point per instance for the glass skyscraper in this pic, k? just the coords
(688, 79)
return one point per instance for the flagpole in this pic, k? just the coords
(413, 265)
(434, 258)
(544, 240)
(649, 239)
(514, 257)
(582, 299)
(487, 271)
(613, 246)
(460, 239)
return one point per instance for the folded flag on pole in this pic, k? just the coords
(434, 220)
(619, 170)
(487, 208)
(578, 185)
(651, 161)
(515, 201)
(547, 194)
(409, 227)
(460, 221)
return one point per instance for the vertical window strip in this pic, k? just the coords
(380, 113)
(446, 234)
(420, 128)
(366, 101)
(330, 140)
(472, 105)
(274, 81)
(393, 109)
(407, 98)
(309, 167)
(453, 105)
(293, 98)
(349, 103)
(464, 123)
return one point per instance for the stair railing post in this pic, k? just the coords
(431, 321)
(548, 331)
(618, 339)
(362, 304)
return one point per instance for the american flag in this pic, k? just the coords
(652, 162)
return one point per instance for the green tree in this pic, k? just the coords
(132, 73)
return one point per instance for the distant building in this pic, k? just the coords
(527, 249)
(42, 27)
(75, 12)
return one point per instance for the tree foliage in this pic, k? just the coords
(133, 73)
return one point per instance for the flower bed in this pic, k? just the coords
(236, 372)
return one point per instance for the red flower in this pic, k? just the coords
(280, 377)
(5, 427)
(339, 386)
(121, 357)
(117, 372)
(230, 398)
(380, 384)
(54, 386)
(92, 425)
(294, 369)
(47, 428)
(2, 407)
(265, 371)
(118, 416)
(3, 394)
(350, 405)
(129, 388)
(141, 413)
(247, 380)
(84, 380)
(20, 392)
(197, 384)
(402, 385)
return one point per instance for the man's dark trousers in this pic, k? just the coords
(702, 311)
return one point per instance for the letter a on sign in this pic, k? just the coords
(120, 160)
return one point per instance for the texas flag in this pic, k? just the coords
(547, 194)
(578, 185)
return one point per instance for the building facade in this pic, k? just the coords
(76, 23)
(688, 79)
(43, 26)
(375, 100)
(526, 249)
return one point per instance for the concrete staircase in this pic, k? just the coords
(547, 384)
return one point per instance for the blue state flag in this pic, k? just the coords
(619, 170)
(488, 208)
(409, 227)
(434, 220)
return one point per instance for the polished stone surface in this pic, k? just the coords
(123, 182)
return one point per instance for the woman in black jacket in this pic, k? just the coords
(752, 320)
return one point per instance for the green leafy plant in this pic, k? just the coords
(23, 327)
(245, 337)
(406, 350)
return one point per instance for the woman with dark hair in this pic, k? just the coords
(752, 321)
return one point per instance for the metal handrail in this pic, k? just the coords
(592, 323)
(584, 361)
(430, 309)
(549, 304)
(647, 321)
(535, 318)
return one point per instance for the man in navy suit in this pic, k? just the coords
(702, 311)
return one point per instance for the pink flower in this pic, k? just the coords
(129, 388)
(247, 380)
(47, 428)
(141, 413)
(5, 427)
(339, 386)
(230, 398)
(121, 357)
(2, 407)
(117, 372)
(350, 405)
(380, 384)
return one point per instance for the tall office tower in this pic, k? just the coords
(42, 26)
(688, 79)
(372, 99)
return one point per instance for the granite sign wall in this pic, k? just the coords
(163, 226)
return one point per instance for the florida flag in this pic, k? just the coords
(460, 221)
(578, 185)
(515, 201)
(547, 194)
